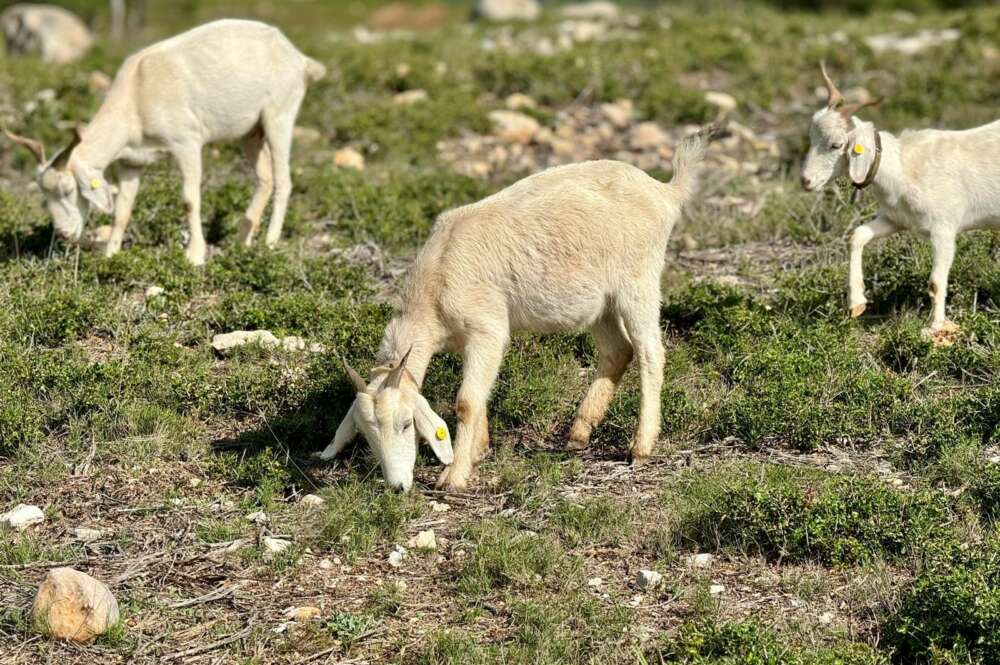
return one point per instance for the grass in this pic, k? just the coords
(849, 465)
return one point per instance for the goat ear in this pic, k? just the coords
(96, 189)
(860, 153)
(432, 429)
(347, 430)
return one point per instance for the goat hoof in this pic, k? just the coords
(638, 460)
(451, 481)
(576, 445)
(858, 310)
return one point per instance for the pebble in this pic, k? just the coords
(349, 158)
(303, 614)
(408, 97)
(274, 546)
(154, 291)
(312, 500)
(424, 540)
(258, 517)
(716, 589)
(648, 579)
(514, 127)
(439, 507)
(647, 136)
(21, 517)
(722, 101)
(86, 535)
(396, 557)
(700, 560)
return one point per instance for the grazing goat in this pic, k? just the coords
(58, 35)
(575, 246)
(224, 80)
(933, 182)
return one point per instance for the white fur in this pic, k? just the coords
(58, 35)
(933, 182)
(578, 246)
(225, 80)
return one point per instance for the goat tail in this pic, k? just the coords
(314, 70)
(687, 158)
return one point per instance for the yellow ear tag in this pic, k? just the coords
(858, 149)
(95, 184)
(441, 434)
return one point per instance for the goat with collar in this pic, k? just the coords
(937, 183)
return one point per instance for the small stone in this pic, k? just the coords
(71, 605)
(647, 136)
(258, 517)
(508, 10)
(86, 535)
(716, 589)
(303, 614)
(518, 101)
(274, 546)
(826, 618)
(703, 560)
(21, 517)
(595, 582)
(349, 158)
(607, 11)
(325, 564)
(618, 113)
(307, 135)
(312, 500)
(396, 557)
(725, 102)
(439, 507)
(408, 97)
(195, 483)
(514, 127)
(424, 540)
(154, 291)
(648, 580)
(226, 341)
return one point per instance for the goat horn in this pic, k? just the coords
(835, 99)
(36, 147)
(852, 109)
(396, 375)
(359, 384)
(62, 159)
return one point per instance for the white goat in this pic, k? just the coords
(58, 35)
(224, 80)
(933, 182)
(576, 246)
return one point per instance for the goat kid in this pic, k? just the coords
(224, 80)
(575, 246)
(933, 182)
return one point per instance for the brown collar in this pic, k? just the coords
(873, 171)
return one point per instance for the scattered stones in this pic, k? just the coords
(647, 136)
(86, 535)
(71, 605)
(647, 580)
(725, 102)
(424, 540)
(21, 517)
(517, 101)
(716, 589)
(303, 614)
(410, 97)
(514, 127)
(349, 158)
(607, 11)
(703, 560)
(154, 291)
(312, 501)
(396, 556)
(274, 547)
(911, 44)
(507, 10)
(227, 341)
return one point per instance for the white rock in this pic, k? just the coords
(312, 500)
(396, 557)
(258, 517)
(703, 560)
(716, 589)
(581, 31)
(424, 540)
(514, 127)
(227, 341)
(911, 44)
(721, 100)
(71, 605)
(325, 564)
(518, 101)
(303, 614)
(826, 618)
(508, 10)
(21, 517)
(86, 535)
(648, 580)
(595, 582)
(349, 158)
(438, 507)
(307, 134)
(647, 136)
(607, 11)
(274, 546)
(408, 97)
(618, 113)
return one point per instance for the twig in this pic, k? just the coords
(215, 594)
(209, 647)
